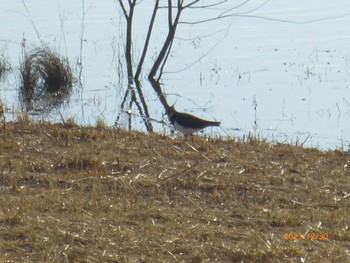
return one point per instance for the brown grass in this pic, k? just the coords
(46, 80)
(85, 194)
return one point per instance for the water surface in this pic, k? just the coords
(281, 71)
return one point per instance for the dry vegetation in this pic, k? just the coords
(4, 67)
(46, 79)
(86, 194)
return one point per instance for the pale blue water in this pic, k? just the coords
(298, 74)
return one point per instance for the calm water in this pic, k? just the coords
(264, 71)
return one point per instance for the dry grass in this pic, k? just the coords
(82, 194)
(46, 80)
(2, 117)
(4, 67)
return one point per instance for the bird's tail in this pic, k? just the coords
(215, 123)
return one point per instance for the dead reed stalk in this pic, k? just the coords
(4, 67)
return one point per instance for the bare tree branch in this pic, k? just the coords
(166, 44)
(212, 5)
(238, 6)
(297, 22)
(248, 14)
(225, 15)
(123, 8)
(129, 64)
(226, 30)
(250, 11)
(164, 61)
(190, 4)
(170, 14)
(128, 48)
(140, 64)
(148, 38)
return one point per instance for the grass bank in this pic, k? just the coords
(87, 194)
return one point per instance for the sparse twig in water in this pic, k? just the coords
(307, 137)
(63, 121)
(255, 105)
(33, 24)
(80, 58)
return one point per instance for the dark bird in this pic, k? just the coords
(187, 123)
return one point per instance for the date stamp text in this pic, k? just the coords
(307, 236)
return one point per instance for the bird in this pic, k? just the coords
(187, 123)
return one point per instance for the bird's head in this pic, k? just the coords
(171, 110)
(171, 113)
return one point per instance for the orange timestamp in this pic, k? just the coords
(307, 236)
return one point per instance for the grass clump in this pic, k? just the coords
(46, 80)
(100, 124)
